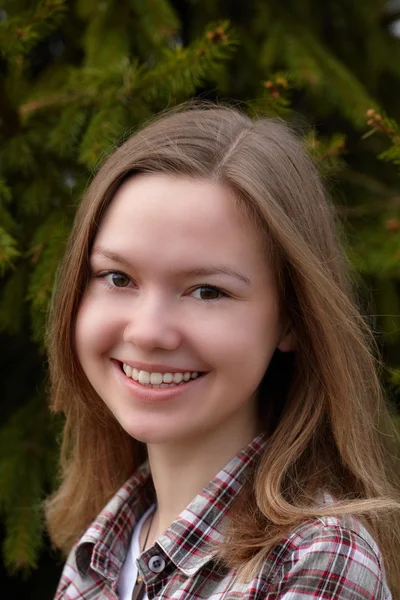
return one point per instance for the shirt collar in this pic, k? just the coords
(105, 543)
(189, 542)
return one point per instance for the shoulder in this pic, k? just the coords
(329, 558)
(95, 559)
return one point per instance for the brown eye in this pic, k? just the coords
(117, 279)
(207, 292)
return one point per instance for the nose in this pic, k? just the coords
(153, 324)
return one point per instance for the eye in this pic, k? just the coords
(115, 279)
(208, 292)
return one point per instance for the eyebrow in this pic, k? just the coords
(197, 272)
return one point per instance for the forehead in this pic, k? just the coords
(176, 219)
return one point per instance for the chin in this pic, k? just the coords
(150, 435)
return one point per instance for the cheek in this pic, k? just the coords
(245, 339)
(94, 333)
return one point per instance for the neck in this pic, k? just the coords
(181, 470)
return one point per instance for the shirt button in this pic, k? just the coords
(156, 564)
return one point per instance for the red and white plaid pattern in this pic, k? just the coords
(325, 559)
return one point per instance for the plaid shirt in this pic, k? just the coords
(324, 558)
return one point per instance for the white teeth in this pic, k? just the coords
(144, 377)
(158, 379)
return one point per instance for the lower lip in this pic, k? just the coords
(148, 394)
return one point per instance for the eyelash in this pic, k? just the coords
(111, 287)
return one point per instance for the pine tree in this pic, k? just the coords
(77, 77)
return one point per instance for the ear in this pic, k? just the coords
(287, 342)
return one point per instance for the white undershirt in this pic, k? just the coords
(129, 571)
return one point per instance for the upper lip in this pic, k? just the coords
(157, 368)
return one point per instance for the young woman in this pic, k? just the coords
(220, 394)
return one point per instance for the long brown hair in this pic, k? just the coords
(329, 426)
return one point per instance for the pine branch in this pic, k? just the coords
(184, 69)
(174, 78)
(379, 122)
(270, 51)
(322, 75)
(6, 219)
(17, 156)
(46, 250)
(276, 95)
(326, 152)
(8, 251)
(157, 23)
(19, 34)
(276, 101)
(28, 451)
(91, 87)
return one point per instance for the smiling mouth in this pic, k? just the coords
(159, 380)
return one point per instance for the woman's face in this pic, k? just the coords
(179, 285)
